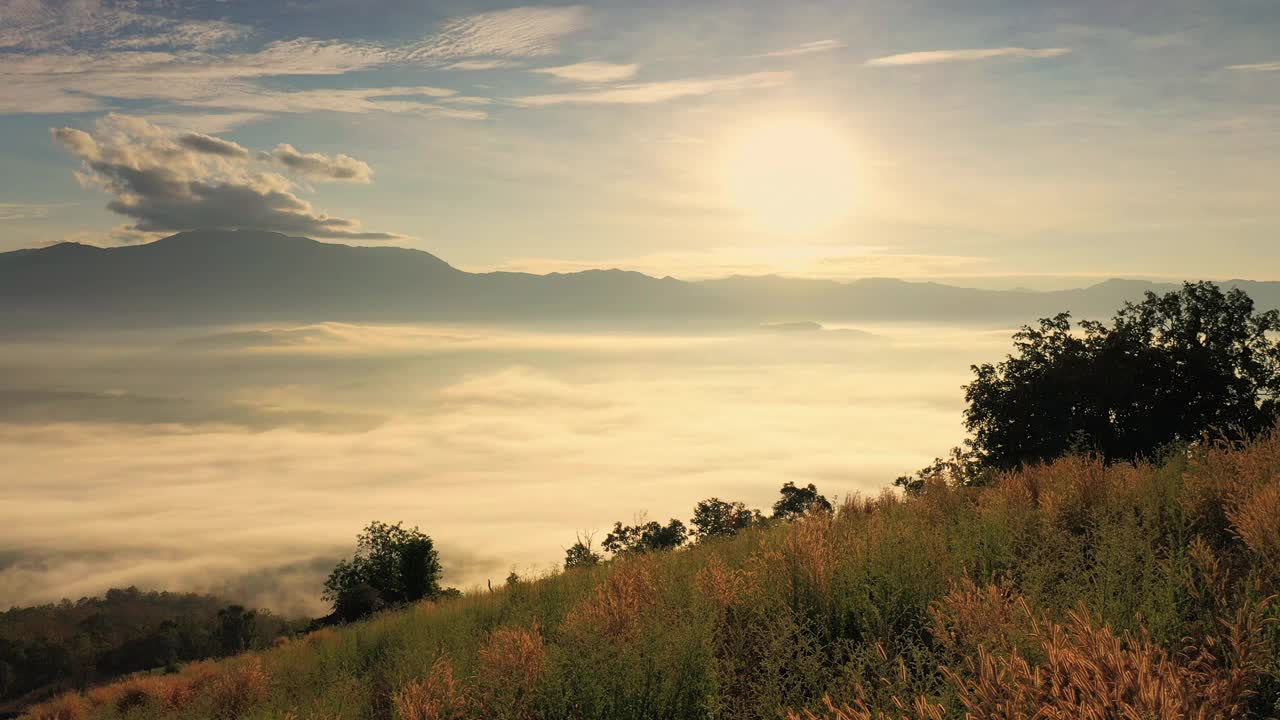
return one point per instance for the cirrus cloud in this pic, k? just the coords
(590, 72)
(931, 57)
(655, 92)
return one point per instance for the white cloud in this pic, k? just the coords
(22, 211)
(45, 24)
(1257, 67)
(209, 123)
(808, 48)
(194, 35)
(929, 57)
(483, 65)
(320, 166)
(535, 418)
(655, 92)
(590, 72)
(167, 182)
(516, 32)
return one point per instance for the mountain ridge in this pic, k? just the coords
(221, 276)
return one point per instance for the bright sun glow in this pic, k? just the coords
(792, 175)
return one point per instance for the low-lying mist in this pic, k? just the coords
(244, 460)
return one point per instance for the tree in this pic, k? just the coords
(714, 517)
(799, 501)
(1166, 371)
(581, 554)
(237, 629)
(645, 537)
(392, 566)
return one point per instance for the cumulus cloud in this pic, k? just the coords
(512, 33)
(322, 167)
(211, 145)
(655, 92)
(808, 48)
(930, 57)
(590, 72)
(168, 183)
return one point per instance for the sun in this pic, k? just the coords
(791, 174)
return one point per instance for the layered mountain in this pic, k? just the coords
(218, 276)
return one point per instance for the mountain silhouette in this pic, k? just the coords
(243, 276)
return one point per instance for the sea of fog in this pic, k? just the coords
(245, 460)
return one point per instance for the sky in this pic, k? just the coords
(977, 141)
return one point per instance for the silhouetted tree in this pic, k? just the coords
(1166, 371)
(237, 628)
(714, 517)
(798, 501)
(645, 537)
(400, 565)
(581, 554)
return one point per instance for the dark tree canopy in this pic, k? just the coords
(581, 554)
(1165, 371)
(799, 501)
(720, 518)
(392, 566)
(645, 537)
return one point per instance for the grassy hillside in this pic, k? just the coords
(1073, 590)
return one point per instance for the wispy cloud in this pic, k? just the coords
(516, 32)
(590, 72)
(22, 211)
(491, 64)
(930, 57)
(48, 24)
(167, 183)
(1257, 67)
(655, 92)
(808, 48)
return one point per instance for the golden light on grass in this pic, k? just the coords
(791, 174)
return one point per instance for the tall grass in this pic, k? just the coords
(1069, 590)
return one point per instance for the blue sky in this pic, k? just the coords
(988, 142)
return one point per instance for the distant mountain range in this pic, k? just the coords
(218, 276)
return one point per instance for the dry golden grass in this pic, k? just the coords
(68, 706)
(509, 672)
(618, 608)
(238, 687)
(1088, 672)
(436, 697)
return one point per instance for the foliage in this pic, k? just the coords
(799, 501)
(1076, 588)
(649, 536)
(1166, 370)
(581, 554)
(47, 648)
(392, 566)
(714, 517)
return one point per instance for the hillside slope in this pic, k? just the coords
(1073, 588)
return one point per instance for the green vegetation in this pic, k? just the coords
(1133, 578)
(392, 566)
(49, 648)
(1076, 586)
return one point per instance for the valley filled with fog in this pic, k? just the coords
(244, 460)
